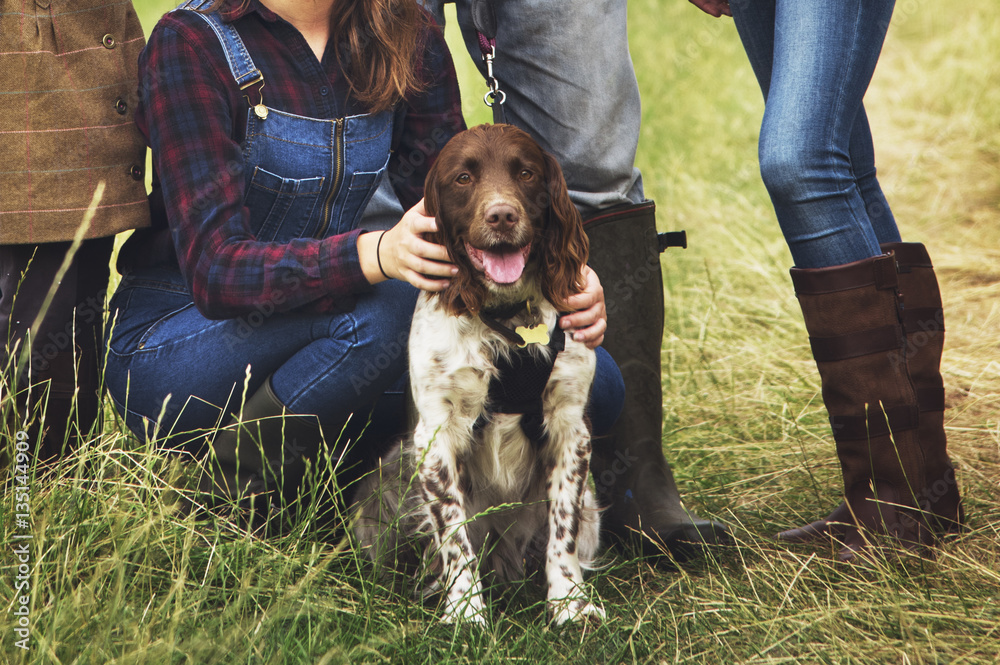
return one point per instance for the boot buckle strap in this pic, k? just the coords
(877, 423)
(855, 345)
(885, 272)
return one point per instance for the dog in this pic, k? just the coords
(494, 479)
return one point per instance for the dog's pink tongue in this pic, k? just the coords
(505, 267)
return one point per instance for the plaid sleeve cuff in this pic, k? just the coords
(340, 266)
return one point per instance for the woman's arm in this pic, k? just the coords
(402, 253)
(716, 8)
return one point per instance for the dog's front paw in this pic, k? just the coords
(465, 610)
(575, 609)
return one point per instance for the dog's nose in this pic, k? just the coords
(501, 215)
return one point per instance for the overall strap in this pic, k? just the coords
(241, 65)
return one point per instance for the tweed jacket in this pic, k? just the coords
(68, 88)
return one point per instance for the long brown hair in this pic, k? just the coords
(378, 43)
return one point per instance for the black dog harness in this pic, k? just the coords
(522, 377)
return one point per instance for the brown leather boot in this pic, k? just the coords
(852, 313)
(61, 408)
(73, 405)
(632, 478)
(923, 320)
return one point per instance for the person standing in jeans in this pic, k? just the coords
(871, 302)
(67, 95)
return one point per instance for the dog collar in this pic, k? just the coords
(491, 317)
(505, 331)
(522, 335)
(505, 311)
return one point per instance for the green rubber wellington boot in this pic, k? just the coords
(631, 475)
(257, 464)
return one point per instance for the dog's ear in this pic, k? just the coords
(565, 246)
(432, 194)
(463, 294)
(432, 206)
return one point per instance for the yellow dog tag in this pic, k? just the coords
(534, 335)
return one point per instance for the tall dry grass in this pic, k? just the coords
(118, 576)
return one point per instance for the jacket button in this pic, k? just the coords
(136, 172)
(121, 106)
(108, 41)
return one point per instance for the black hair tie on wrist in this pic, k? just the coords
(378, 255)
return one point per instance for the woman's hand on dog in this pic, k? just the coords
(589, 321)
(403, 253)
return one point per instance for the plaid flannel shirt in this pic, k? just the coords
(193, 117)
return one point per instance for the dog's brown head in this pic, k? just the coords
(505, 216)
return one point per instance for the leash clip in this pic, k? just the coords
(495, 95)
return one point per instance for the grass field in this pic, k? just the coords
(117, 577)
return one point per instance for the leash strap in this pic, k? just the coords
(484, 18)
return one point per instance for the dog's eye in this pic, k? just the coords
(526, 175)
(464, 179)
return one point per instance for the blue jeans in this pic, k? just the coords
(176, 375)
(171, 368)
(814, 61)
(566, 70)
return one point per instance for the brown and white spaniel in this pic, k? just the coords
(494, 480)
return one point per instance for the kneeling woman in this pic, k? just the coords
(259, 301)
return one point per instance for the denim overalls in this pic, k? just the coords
(306, 178)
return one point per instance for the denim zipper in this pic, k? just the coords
(338, 175)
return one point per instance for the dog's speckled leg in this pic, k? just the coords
(444, 505)
(568, 450)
